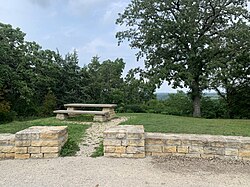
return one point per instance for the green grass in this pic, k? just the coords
(76, 131)
(81, 118)
(99, 151)
(189, 125)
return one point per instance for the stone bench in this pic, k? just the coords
(100, 116)
(105, 107)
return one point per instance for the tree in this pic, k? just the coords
(177, 38)
(105, 80)
(230, 77)
(137, 90)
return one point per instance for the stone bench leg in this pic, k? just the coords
(100, 118)
(111, 112)
(71, 114)
(61, 116)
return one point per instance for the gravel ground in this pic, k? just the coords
(108, 172)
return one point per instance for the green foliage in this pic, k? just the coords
(189, 125)
(70, 148)
(154, 106)
(213, 108)
(239, 102)
(178, 104)
(99, 151)
(49, 104)
(232, 70)
(5, 114)
(182, 40)
(82, 117)
(134, 108)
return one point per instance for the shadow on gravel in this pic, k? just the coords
(197, 165)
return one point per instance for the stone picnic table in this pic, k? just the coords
(107, 111)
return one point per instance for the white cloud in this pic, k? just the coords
(42, 3)
(111, 13)
(96, 46)
(83, 7)
(106, 8)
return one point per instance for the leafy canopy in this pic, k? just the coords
(180, 38)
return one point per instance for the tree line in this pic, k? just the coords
(34, 81)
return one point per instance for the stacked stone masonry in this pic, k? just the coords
(124, 141)
(117, 144)
(202, 146)
(34, 142)
(7, 146)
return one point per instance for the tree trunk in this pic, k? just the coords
(196, 98)
(196, 106)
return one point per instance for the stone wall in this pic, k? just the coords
(201, 146)
(124, 141)
(7, 146)
(117, 143)
(34, 142)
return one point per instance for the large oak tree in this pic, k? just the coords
(179, 38)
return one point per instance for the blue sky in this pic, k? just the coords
(85, 25)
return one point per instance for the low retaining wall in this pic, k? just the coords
(7, 146)
(201, 146)
(124, 141)
(34, 142)
(161, 144)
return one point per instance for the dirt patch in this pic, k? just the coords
(199, 165)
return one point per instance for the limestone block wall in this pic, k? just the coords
(40, 142)
(34, 142)
(201, 146)
(118, 143)
(124, 141)
(7, 146)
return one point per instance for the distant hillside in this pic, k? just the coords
(163, 96)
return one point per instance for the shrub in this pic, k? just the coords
(178, 104)
(49, 104)
(154, 106)
(5, 114)
(70, 148)
(134, 108)
(99, 151)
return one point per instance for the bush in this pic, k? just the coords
(49, 104)
(99, 151)
(178, 104)
(135, 108)
(213, 108)
(70, 148)
(5, 114)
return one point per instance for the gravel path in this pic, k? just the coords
(94, 135)
(107, 172)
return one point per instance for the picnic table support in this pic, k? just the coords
(111, 112)
(71, 114)
(61, 116)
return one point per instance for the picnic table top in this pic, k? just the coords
(79, 112)
(90, 105)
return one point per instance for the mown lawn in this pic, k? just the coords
(189, 125)
(76, 131)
